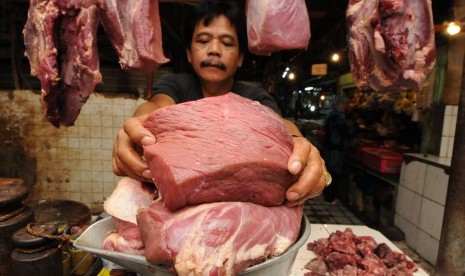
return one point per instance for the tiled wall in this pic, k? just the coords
(75, 162)
(420, 205)
(448, 131)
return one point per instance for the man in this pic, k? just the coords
(215, 50)
(336, 145)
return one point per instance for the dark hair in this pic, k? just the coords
(210, 9)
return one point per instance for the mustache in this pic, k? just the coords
(213, 63)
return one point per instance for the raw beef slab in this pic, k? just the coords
(223, 148)
(217, 238)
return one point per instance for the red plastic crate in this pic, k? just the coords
(382, 160)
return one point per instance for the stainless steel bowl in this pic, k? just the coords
(92, 239)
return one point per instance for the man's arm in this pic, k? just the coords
(127, 157)
(154, 103)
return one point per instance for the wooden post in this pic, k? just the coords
(451, 254)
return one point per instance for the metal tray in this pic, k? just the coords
(92, 239)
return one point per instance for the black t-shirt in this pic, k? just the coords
(184, 87)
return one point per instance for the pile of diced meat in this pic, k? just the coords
(220, 167)
(344, 253)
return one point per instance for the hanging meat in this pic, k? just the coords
(391, 43)
(275, 25)
(61, 45)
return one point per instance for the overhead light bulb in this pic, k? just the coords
(335, 57)
(453, 28)
(291, 76)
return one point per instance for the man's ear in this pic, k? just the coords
(240, 60)
(189, 55)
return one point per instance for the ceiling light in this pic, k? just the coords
(291, 76)
(453, 28)
(335, 57)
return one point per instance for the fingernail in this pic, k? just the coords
(295, 167)
(147, 140)
(292, 196)
(147, 174)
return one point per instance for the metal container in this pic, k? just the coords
(13, 216)
(12, 192)
(36, 255)
(92, 239)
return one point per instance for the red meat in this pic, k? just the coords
(223, 148)
(391, 43)
(217, 238)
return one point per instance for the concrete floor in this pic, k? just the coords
(320, 211)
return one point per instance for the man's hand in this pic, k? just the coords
(305, 159)
(127, 150)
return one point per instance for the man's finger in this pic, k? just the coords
(300, 153)
(137, 132)
(126, 158)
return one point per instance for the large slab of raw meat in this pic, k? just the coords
(63, 54)
(134, 30)
(217, 238)
(223, 148)
(276, 25)
(391, 43)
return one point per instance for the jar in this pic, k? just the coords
(81, 261)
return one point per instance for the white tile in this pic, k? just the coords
(444, 146)
(86, 176)
(431, 216)
(107, 144)
(450, 148)
(408, 205)
(108, 132)
(448, 110)
(409, 230)
(427, 247)
(96, 143)
(436, 184)
(414, 176)
(97, 178)
(446, 125)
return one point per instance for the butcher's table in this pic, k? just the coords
(324, 230)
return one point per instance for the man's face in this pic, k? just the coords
(214, 52)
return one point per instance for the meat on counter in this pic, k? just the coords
(344, 253)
